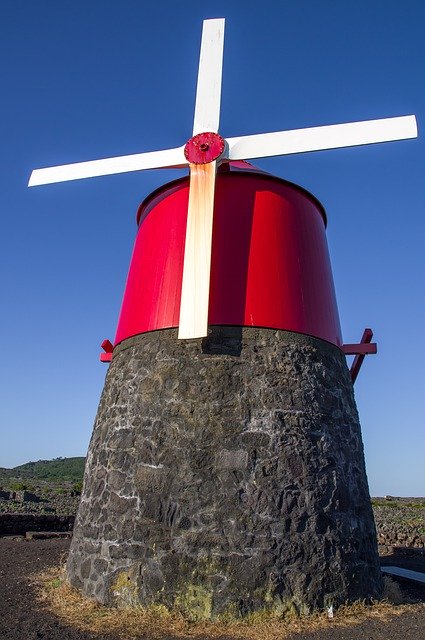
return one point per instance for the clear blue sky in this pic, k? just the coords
(83, 80)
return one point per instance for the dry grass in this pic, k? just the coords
(392, 592)
(158, 623)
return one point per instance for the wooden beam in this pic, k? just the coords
(358, 360)
(197, 253)
(359, 349)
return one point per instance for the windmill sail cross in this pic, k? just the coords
(196, 271)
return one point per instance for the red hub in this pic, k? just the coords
(204, 147)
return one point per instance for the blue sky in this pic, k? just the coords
(84, 80)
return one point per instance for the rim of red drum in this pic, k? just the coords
(164, 190)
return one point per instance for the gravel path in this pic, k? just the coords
(22, 617)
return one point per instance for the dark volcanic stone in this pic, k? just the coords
(226, 475)
(20, 523)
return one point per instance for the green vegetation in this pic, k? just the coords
(77, 487)
(57, 485)
(394, 503)
(53, 471)
(18, 486)
(378, 502)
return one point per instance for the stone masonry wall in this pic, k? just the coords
(226, 475)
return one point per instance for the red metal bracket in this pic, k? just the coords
(360, 351)
(108, 347)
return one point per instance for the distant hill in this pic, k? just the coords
(57, 470)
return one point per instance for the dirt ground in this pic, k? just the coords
(23, 617)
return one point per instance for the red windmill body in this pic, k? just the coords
(269, 265)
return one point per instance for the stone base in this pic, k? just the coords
(226, 475)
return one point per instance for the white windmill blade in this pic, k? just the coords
(193, 322)
(107, 166)
(208, 91)
(320, 138)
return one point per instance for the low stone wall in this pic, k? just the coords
(400, 522)
(20, 523)
(397, 538)
(390, 550)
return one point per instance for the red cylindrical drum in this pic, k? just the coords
(270, 265)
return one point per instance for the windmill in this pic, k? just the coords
(225, 472)
(205, 151)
